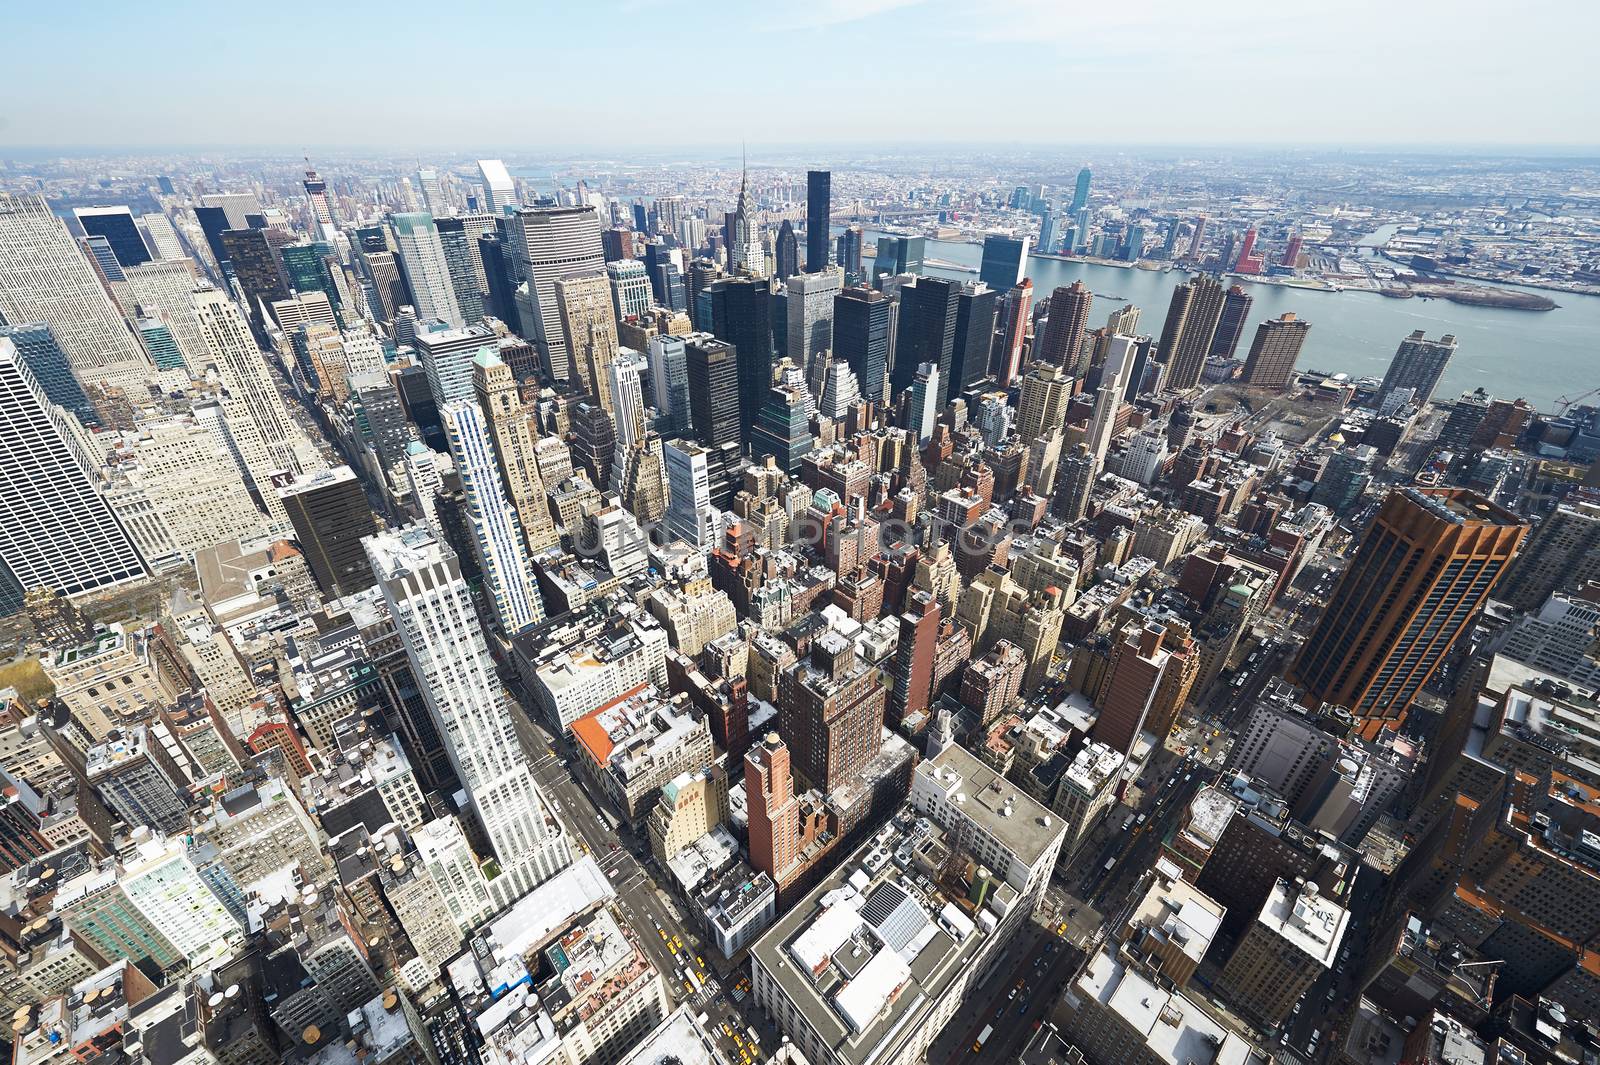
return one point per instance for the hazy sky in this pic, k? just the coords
(613, 73)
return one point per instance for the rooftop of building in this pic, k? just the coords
(870, 950)
(1307, 919)
(1460, 505)
(635, 733)
(396, 552)
(678, 1040)
(1016, 821)
(728, 899)
(1176, 1029)
(1175, 911)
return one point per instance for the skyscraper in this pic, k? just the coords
(1270, 363)
(497, 186)
(1061, 344)
(446, 357)
(508, 578)
(782, 428)
(432, 610)
(1190, 327)
(56, 530)
(898, 255)
(861, 318)
(630, 288)
(44, 278)
(713, 391)
(1004, 261)
(690, 516)
(116, 224)
(1418, 364)
(321, 206)
(924, 402)
(969, 359)
(741, 315)
(1080, 193)
(786, 252)
(847, 253)
(811, 319)
(1108, 398)
(589, 331)
(1425, 565)
(458, 239)
(551, 244)
(1013, 317)
(267, 440)
(819, 215)
(1230, 327)
(744, 243)
(422, 251)
(669, 381)
(331, 516)
(36, 344)
(926, 332)
(511, 431)
(1562, 553)
(258, 269)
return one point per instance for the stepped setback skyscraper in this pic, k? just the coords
(432, 609)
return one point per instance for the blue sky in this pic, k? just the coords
(593, 74)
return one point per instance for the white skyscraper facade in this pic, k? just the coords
(56, 530)
(44, 278)
(507, 569)
(690, 515)
(429, 274)
(267, 439)
(497, 186)
(630, 287)
(432, 609)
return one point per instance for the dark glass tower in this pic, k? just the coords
(1003, 260)
(741, 315)
(926, 332)
(116, 224)
(861, 337)
(713, 392)
(784, 429)
(461, 260)
(975, 310)
(259, 271)
(501, 301)
(213, 223)
(786, 250)
(818, 214)
(36, 343)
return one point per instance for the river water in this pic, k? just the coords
(1537, 355)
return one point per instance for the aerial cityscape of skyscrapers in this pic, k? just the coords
(875, 604)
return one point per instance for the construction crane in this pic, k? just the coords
(1566, 402)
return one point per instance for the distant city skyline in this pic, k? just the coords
(1157, 72)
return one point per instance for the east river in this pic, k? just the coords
(1537, 355)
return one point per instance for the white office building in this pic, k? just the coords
(56, 530)
(497, 534)
(630, 287)
(497, 186)
(690, 515)
(426, 269)
(444, 641)
(44, 278)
